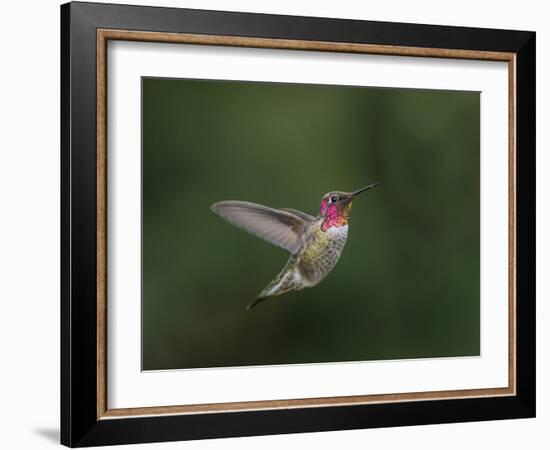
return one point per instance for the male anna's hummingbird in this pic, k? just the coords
(315, 243)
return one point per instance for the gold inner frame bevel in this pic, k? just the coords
(104, 35)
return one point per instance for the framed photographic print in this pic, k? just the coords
(276, 224)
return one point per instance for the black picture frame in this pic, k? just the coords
(80, 425)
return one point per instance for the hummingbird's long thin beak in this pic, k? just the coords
(359, 191)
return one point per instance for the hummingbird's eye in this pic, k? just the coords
(333, 199)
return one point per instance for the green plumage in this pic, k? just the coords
(317, 257)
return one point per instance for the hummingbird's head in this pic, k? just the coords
(336, 205)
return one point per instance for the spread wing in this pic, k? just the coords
(280, 227)
(302, 215)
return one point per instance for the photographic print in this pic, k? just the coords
(302, 223)
(279, 224)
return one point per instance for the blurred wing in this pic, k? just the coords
(279, 227)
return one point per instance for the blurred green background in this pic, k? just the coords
(407, 284)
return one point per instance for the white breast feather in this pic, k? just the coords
(338, 231)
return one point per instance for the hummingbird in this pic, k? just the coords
(315, 243)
